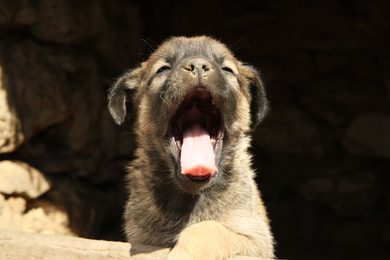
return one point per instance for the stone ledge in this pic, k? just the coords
(15, 245)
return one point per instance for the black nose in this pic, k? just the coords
(198, 66)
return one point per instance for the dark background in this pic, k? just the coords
(322, 154)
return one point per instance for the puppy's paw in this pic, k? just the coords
(205, 240)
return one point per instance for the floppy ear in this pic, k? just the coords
(259, 102)
(120, 93)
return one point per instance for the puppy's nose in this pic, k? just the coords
(198, 66)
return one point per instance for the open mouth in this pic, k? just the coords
(197, 133)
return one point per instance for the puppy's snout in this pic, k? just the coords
(198, 66)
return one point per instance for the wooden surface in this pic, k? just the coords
(16, 245)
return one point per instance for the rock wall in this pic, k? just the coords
(322, 154)
(57, 61)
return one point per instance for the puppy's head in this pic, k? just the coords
(194, 102)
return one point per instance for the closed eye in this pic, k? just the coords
(227, 69)
(164, 68)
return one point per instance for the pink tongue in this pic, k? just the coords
(197, 155)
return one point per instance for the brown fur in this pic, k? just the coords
(224, 215)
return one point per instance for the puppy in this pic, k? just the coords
(191, 183)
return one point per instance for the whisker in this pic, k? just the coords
(151, 46)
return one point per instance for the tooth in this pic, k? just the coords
(213, 142)
(178, 143)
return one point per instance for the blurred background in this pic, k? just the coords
(322, 154)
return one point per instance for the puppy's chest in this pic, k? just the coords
(203, 208)
(176, 211)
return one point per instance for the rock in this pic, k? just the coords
(354, 232)
(25, 245)
(326, 98)
(86, 208)
(369, 135)
(16, 13)
(288, 130)
(62, 22)
(388, 205)
(349, 195)
(11, 135)
(17, 245)
(6, 12)
(316, 188)
(21, 179)
(26, 14)
(38, 98)
(11, 212)
(45, 218)
(84, 104)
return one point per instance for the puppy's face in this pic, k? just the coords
(194, 102)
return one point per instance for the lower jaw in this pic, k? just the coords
(200, 179)
(195, 186)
